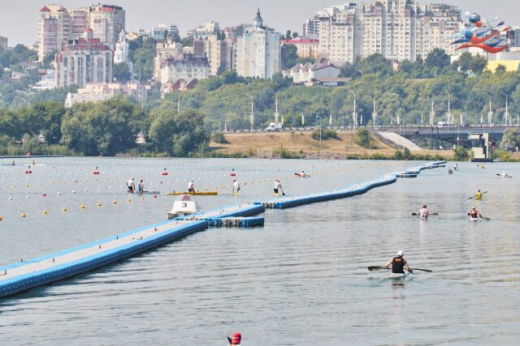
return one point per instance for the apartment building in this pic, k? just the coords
(57, 25)
(258, 50)
(397, 29)
(84, 60)
(185, 67)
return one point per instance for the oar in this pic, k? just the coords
(431, 214)
(507, 176)
(376, 268)
(476, 196)
(281, 189)
(229, 339)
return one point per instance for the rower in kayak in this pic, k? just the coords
(235, 339)
(235, 186)
(277, 186)
(191, 187)
(140, 186)
(474, 213)
(131, 185)
(478, 195)
(424, 213)
(398, 264)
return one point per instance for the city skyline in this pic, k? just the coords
(189, 16)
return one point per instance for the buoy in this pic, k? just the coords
(232, 174)
(82, 206)
(99, 204)
(10, 198)
(114, 202)
(1, 218)
(22, 215)
(59, 193)
(64, 209)
(45, 212)
(129, 200)
(154, 196)
(28, 172)
(96, 172)
(164, 173)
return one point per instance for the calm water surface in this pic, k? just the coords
(300, 280)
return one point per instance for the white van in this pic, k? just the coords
(274, 127)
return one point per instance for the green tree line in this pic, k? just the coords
(106, 128)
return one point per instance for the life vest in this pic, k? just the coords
(398, 265)
(474, 214)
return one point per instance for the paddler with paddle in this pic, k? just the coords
(278, 187)
(423, 212)
(235, 339)
(398, 264)
(478, 195)
(474, 213)
(191, 187)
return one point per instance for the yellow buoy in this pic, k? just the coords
(129, 200)
(22, 215)
(1, 218)
(64, 209)
(45, 212)
(114, 202)
(99, 204)
(82, 206)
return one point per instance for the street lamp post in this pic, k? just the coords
(354, 115)
(506, 115)
(319, 117)
(252, 111)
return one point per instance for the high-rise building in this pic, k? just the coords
(220, 54)
(202, 32)
(106, 22)
(57, 25)
(397, 29)
(84, 60)
(53, 29)
(258, 50)
(3, 42)
(121, 52)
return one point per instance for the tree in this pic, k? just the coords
(500, 70)
(438, 59)
(363, 138)
(377, 64)
(178, 134)
(290, 56)
(478, 64)
(288, 35)
(347, 70)
(510, 140)
(122, 72)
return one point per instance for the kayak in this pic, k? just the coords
(397, 276)
(474, 219)
(424, 219)
(145, 193)
(198, 193)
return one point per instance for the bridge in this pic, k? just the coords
(453, 134)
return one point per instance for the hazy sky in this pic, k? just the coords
(18, 19)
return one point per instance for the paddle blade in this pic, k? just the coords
(414, 214)
(229, 339)
(423, 270)
(375, 268)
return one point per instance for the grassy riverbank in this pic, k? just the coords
(303, 145)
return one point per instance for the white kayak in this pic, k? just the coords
(474, 219)
(424, 219)
(397, 276)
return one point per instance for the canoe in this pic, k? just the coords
(198, 193)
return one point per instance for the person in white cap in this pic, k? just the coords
(131, 185)
(398, 264)
(191, 187)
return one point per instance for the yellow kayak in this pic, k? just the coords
(198, 193)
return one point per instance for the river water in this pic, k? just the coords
(300, 280)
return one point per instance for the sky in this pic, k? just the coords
(19, 19)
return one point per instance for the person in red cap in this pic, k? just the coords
(235, 339)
